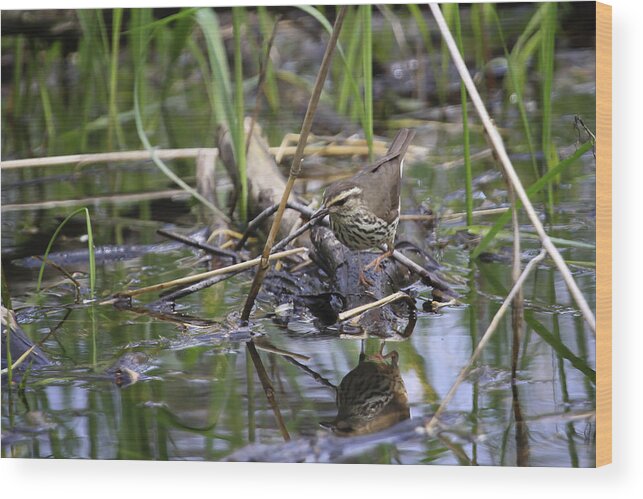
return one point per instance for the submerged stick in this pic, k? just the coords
(267, 388)
(498, 145)
(204, 275)
(485, 338)
(295, 167)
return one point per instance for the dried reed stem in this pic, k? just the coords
(295, 167)
(400, 295)
(204, 275)
(119, 198)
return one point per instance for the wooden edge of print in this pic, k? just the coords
(603, 234)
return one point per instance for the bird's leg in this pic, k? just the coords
(364, 281)
(377, 263)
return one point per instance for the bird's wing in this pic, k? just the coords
(382, 180)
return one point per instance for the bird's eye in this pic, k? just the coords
(341, 202)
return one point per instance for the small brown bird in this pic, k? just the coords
(364, 210)
(370, 398)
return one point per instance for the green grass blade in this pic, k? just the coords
(161, 165)
(530, 236)
(271, 89)
(185, 13)
(240, 146)
(559, 347)
(547, 71)
(354, 41)
(114, 125)
(531, 190)
(465, 124)
(90, 247)
(512, 70)
(348, 69)
(221, 81)
(367, 65)
(423, 27)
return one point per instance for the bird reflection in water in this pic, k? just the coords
(371, 397)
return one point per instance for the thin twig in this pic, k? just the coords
(284, 242)
(427, 277)
(191, 289)
(498, 145)
(400, 295)
(20, 360)
(263, 70)
(485, 339)
(268, 212)
(295, 167)
(197, 244)
(104, 157)
(64, 272)
(313, 374)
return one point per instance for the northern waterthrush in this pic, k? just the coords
(364, 210)
(371, 397)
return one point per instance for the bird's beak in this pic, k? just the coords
(319, 214)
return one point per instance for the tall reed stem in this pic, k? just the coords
(295, 167)
(239, 145)
(468, 176)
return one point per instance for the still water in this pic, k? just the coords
(197, 395)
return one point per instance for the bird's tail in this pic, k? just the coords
(401, 142)
(397, 148)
